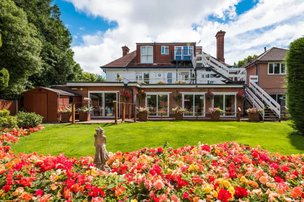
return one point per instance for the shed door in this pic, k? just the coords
(40, 106)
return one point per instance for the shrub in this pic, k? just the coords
(28, 120)
(7, 121)
(295, 78)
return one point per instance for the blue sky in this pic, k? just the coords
(81, 23)
(101, 27)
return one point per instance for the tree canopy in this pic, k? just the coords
(21, 47)
(90, 77)
(295, 83)
(246, 60)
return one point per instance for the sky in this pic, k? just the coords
(100, 28)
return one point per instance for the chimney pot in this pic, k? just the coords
(125, 50)
(265, 49)
(220, 35)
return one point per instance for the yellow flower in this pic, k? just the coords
(231, 190)
(207, 189)
(54, 177)
(53, 187)
(225, 183)
(214, 194)
(133, 200)
(193, 167)
(243, 179)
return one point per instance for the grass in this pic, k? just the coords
(78, 140)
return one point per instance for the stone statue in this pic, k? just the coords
(101, 154)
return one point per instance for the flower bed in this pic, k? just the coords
(225, 172)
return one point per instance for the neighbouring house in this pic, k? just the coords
(161, 76)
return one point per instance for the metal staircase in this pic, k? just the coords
(268, 108)
(230, 74)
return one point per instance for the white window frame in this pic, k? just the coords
(146, 54)
(183, 74)
(280, 68)
(103, 102)
(193, 94)
(158, 93)
(224, 102)
(141, 75)
(164, 50)
(182, 55)
(168, 77)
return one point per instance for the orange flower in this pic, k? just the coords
(263, 179)
(296, 192)
(119, 191)
(26, 196)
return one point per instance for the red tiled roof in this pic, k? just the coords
(122, 61)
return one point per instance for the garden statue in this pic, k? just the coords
(101, 154)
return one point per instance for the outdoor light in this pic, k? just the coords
(126, 81)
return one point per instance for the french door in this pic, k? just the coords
(158, 104)
(226, 102)
(103, 103)
(194, 104)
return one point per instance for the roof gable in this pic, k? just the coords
(122, 61)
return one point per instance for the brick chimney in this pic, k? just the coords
(125, 50)
(220, 35)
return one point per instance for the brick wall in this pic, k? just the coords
(10, 105)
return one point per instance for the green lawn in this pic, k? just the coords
(77, 140)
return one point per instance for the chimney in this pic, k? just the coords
(220, 45)
(265, 49)
(125, 50)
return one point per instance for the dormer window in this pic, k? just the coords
(183, 52)
(146, 54)
(165, 50)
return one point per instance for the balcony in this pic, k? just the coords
(183, 53)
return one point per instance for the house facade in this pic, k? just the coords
(162, 76)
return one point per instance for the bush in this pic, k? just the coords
(295, 95)
(28, 120)
(7, 121)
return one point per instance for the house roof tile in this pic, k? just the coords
(122, 61)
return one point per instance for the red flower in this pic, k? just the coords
(186, 196)
(224, 195)
(285, 168)
(6, 188)
(39, 192)
(240, 192)
(197, 180)
(206, 148)
(156, 170)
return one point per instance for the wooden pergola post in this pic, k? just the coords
(130, 111)
(134, 112)
(123, 106)
(115, 111)
(73, 112)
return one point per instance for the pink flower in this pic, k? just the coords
(158, 184)
(39, 192)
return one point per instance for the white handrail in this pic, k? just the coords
(255, 101)
(266, 98)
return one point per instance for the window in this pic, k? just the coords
(146, 54)
(146, 78)
(165, 50)
(184, 76)
(276, 68)
(139, 77)
(169, 77)
(183, 52)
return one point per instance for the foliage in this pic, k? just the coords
(4, 79)
(20, 49)
(215, 110)
(253, 110)
(65, 109)
(224, 172)
(57, 138)
(28, 120)
(178, 110)
(245, 61)
(295, 96)
(58, 65)
(142, 109)
(7, 121)
(90, 77)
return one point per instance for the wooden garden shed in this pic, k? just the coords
(47, 101)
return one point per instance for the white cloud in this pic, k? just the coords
(270, 23)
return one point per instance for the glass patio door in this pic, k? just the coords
(157, 104)
(194, 105)
(103, 104)
(226, 103)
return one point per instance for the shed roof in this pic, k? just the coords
(59, 92)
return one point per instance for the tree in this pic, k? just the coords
(295, 83)
(90, 77)
(58, 65)
(20, 49)
(246, 60)
(4, 79)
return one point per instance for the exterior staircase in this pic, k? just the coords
(268, 108)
